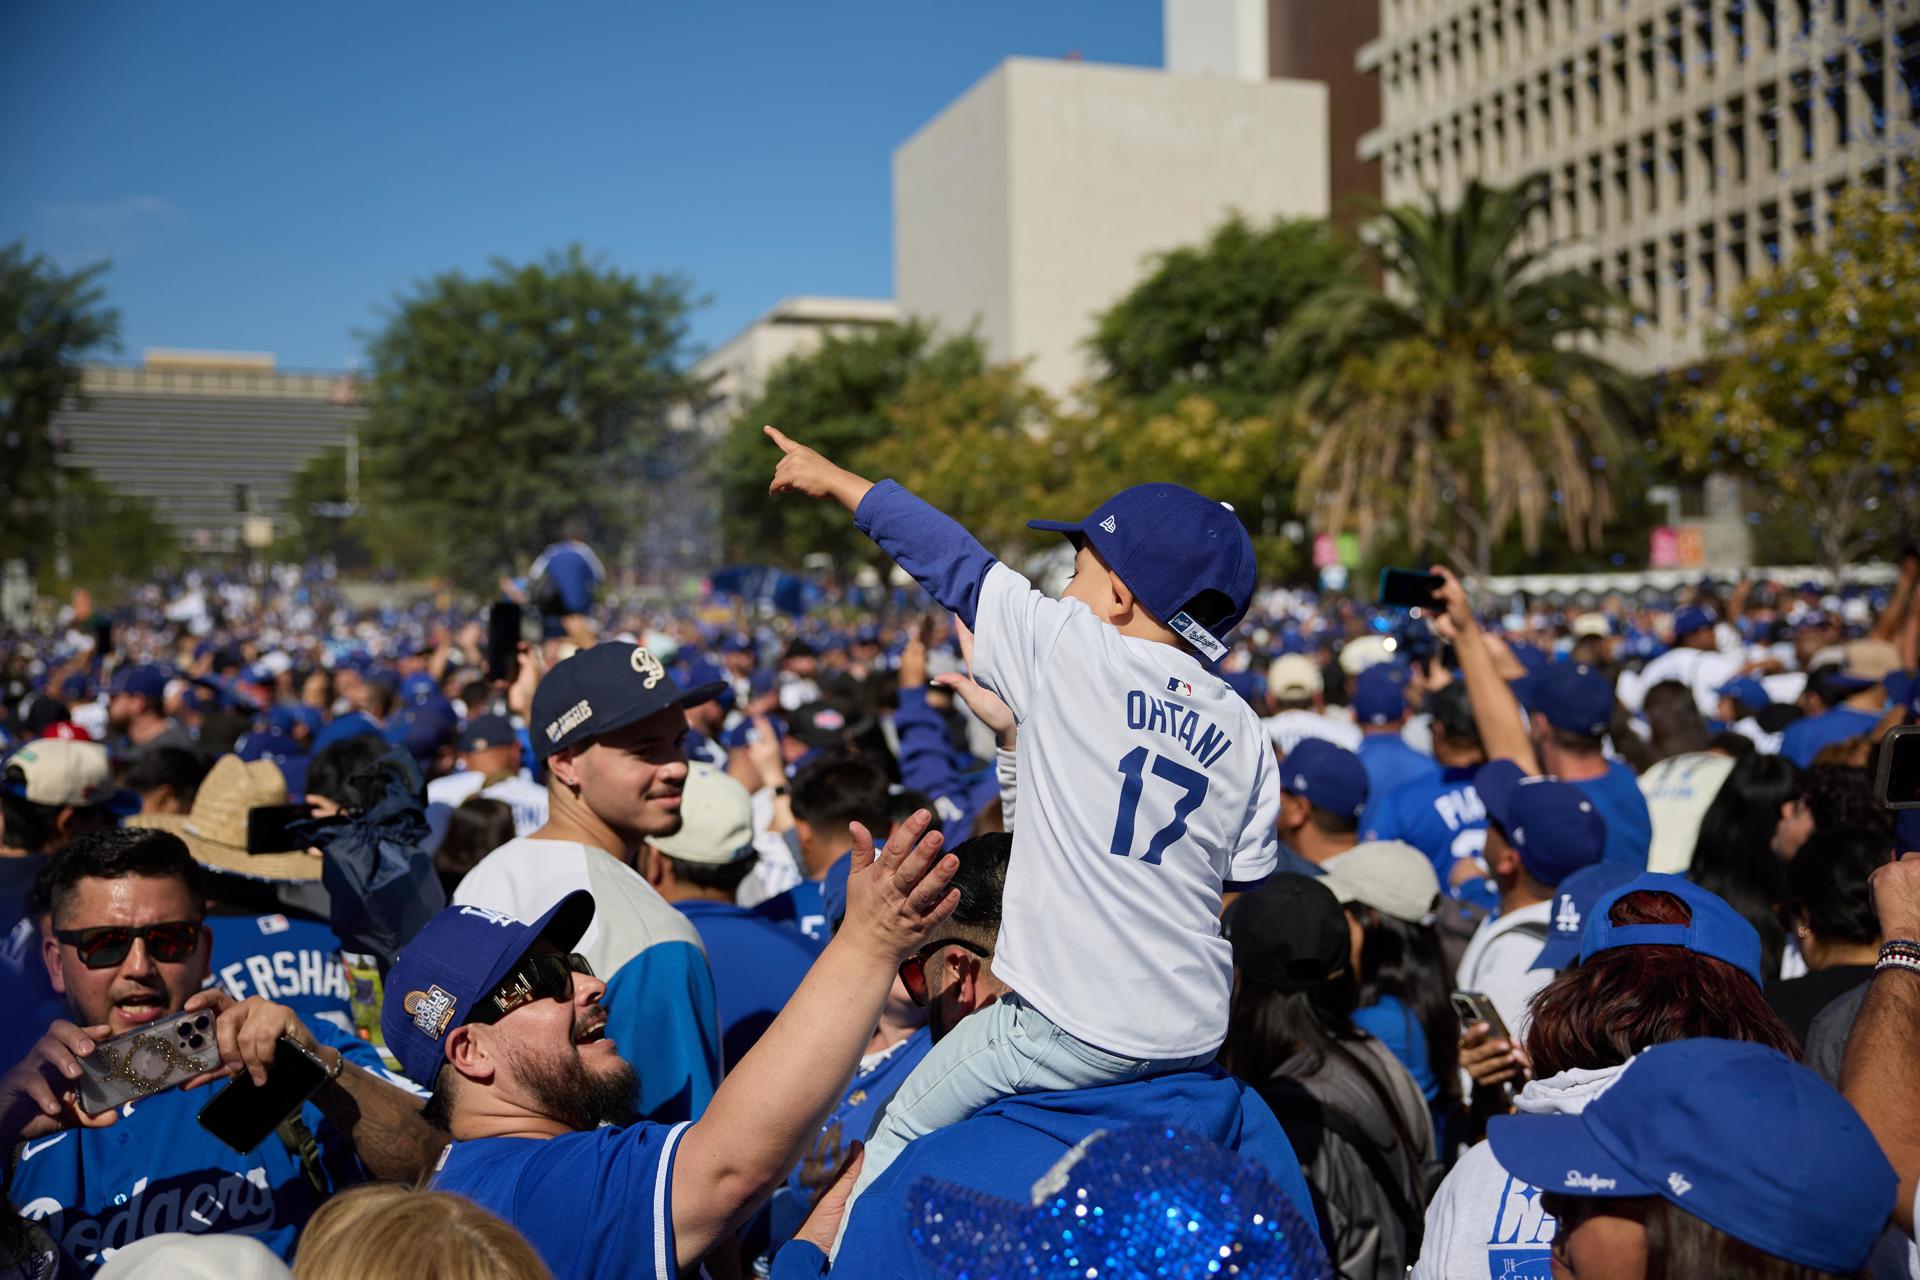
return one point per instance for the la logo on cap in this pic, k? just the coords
(645, 664)
(1567, 918)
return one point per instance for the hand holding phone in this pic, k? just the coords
(503, 640)
(158, 1056)
(244, 1113)
(1410, 589)
(1897, 781)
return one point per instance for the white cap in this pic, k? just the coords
(1390, 876)
(716, 819)
(176, 1255)
(64, 773)
(1366, 651)
(1294, 675)
(1592, 624)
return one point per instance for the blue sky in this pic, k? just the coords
(269, 176)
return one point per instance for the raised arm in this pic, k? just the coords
(1881, 1073)
(774, 1099)
(1496, 712)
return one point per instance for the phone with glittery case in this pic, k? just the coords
(145, 1061)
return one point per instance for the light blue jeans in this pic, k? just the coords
(1006, 1048)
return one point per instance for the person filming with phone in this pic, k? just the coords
(104, 1115)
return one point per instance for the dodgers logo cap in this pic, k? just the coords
(1689, 620)
(485, 732)
(1715, 929)
(1330, 777)
(1572, 696)
(601, 689)
(1551, 824)
(457, 960)
(1735, 1134)
(1748, 692)
(1573, 904)
(1380, 694)
(1170, 546)
(146, 680)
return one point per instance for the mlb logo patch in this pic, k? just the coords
(1180, 687)
(274, 924)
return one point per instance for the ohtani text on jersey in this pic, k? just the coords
(1201, 737)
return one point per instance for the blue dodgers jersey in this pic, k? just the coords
(1616, 794)
(803, 907)
(1801, 741)
(757, 966)
(285, 959)
(1391, 764)
(594, 1204)
(1443, 818)
(662, 1018)
(155, 1169)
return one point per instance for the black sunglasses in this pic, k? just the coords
(542, 976)
(913, 970)
(107, 945)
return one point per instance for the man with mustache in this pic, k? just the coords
(608, 725)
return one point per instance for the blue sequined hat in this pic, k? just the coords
(1144, 1201)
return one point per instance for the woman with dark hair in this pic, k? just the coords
(474, 830)
(1674, 723)
(1756, 823)
(1355, 1117)
(1831, 915)
(1633, 987)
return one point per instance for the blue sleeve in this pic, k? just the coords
(930, 545)
(1264, 1141)
(661, 1015)
(798, 1260)
(926, 760)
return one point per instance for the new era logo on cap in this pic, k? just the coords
(1109, 524)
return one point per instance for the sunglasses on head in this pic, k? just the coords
(107, 945)
(542, 976)
(913, 970)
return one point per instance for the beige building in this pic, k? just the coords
(1038, 197)
(1688, 145)
(737, 369)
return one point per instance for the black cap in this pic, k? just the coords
(1290, 934)
(487, 731)
(601, 689)
(819, 724)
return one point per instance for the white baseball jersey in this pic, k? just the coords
(1145, 783)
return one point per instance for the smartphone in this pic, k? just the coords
(1410, 589)
(1472, 1007)
(157, 1056)
(503, 639)
(102, 635)
(1898, 783)
(244, 1113)
(267, 828)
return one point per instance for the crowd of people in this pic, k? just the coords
(1172, 926)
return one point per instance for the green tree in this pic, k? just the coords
(114, 541)
(836, 399)
(509, 410)
(1207, 318)
(1813, 389)
(1468, 395)
(50, 321)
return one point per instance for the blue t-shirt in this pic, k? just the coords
(1391, 764)
(28, 1003)
(662, 1018)
(1616, 794)
(803, 907)
(757, 966)
(1802, 740)
(1393, 1025)
(156, 1169)
(593, 1204)
(285, 959)
(1004, 1148)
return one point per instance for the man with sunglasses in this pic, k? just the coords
(128, 945)
(507, 1027)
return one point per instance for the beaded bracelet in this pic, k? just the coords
(1909, 963)
(1900, 947)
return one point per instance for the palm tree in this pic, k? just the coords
(1467, 393)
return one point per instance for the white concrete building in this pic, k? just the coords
(794, 326)
(1038, 197)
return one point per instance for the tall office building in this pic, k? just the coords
(1688, 144)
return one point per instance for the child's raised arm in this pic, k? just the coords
(803, 470)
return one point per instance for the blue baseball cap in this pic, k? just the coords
(146, 680)
(419, 685)
(1734, 1134)
(285, 717)
(1572, 696)
(226, 693)
(601, 689)
(1249, 684)
(1551, 824)
(459, 958)
(1748, 692)
(1330, 777)
(487, 731)
(354, 724)
(1170, 545)
(1691, 619)
(701, 673)
(741, 735)
(1715, 929)
(1573, 901)
(1380, 694)
(423, 728)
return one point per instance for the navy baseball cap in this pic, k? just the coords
(354, 724)
(1715, 929)
(1691, 619)
(1735, 1134)
(1330, 777)
(1380, 694)
(1571, 695)
(1748, 692)
(1170, 546)
(1551, 824)
(741, 735)
(487, 731)
(1249, 684)
(704, 673)
(601, 689)
(459, 958)
(423, 728)
(146, 680)
(1573, 901)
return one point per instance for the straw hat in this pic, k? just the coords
(216, 830)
